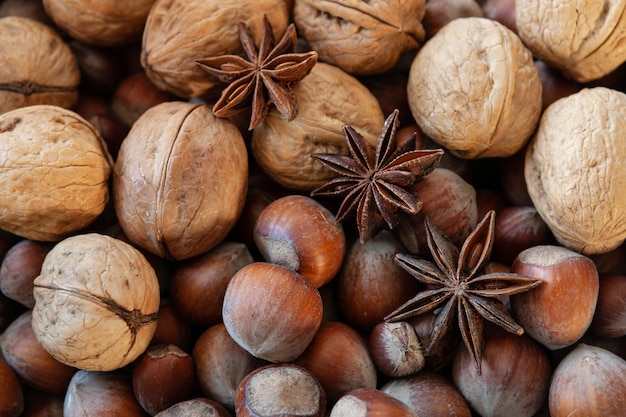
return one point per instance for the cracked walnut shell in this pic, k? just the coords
(96, 302)
(54, 172)
(474, 89)
(575, 173)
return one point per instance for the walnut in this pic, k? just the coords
(474, 89)
(180, 180)
(38, 67)
(96, 302)
(585, 39)
(575, 173)
(361, 37)
(54, 172)
(327, 99)
(178, 32)
(100, 22)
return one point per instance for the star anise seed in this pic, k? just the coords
(374, 183)
(264, 77)
(459, 288)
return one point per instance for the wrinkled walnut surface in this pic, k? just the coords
(180, 180)
(361, 37)
(474, 89)
(575, 170)
(96, 302)
(326, 99)
(586, 38)
(54, 172)
(36, 66)
(178, 32)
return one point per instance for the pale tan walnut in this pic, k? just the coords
(96, 302)
(575, 173)
(36, 66)
(327, 99)
(361, 37)
(54, 172)
(474, 89)
(180, 180)
(178, 32)
(100, 22)
(586, 39)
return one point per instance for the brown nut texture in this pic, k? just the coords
(12, 401)
(370, 402)
(585, 39)
(474, 89)
(54, 172)
(177, 32)
(574, 170)
(283, 149)
(96, 302)
(180, 180)
(359, 37)
(38, 67)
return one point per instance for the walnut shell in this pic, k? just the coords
(54, 172)
(180, 180)
(100, 22)
(327, 99)
(361, 37)
(96, 302)
(178, 32)
(585, 39)
(574, 170)
(38, 67)
(474, 89)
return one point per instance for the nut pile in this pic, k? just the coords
(312, 208)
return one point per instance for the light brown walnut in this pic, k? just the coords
(474, 89)
(100, 22)
(575, 170)
(586, 39)
(96, 302)
(361, 37)
(36, 66)
(180, 180)
(54, 172)
(178, 32)
(327, 99)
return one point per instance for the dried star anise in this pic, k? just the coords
(375, 182)
(459, 287)
(265, 77)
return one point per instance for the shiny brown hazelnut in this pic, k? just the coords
(514, 375)
(609, 319)
(171, 329)
(198, 285)
(370, 402)
(12, 398)
(429, 394)
(555, 84)
(112, 131)
(19, 268)
(96, 393)
(163, 376)
(280, 389)
(396, 349)
(512, 180)
(221, 364)
(30, 361)
(101, 69)
(339, 358)
(370, 284)
(441, 12)
(196, 407)
(501, 10)
(257, 198)
(299, 233)
(271, 311)
(559, 311)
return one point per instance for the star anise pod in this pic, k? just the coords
(264, 77)
(458, 287)
(375, 183)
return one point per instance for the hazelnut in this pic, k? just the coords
(55, 168)
(196, 407)
(43, 404)
(501, 10)
(396, 349)
(180, 180)
(439, 13)
(96, 302)
(171, 329)
(299, 233)
(20, 266)
(370, 402)
(12, 400)
(26, 8)
(271, 311)
(559, 311)
(609, 319)
(101, 69)
(554, 84)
